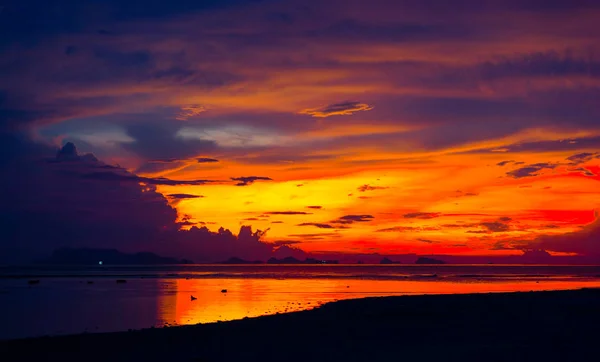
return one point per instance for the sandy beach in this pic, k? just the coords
(544, 326)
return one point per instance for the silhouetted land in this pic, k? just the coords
(292, 260)
(424, 260)
(537, 326)
(69, 256)
(238, 261)
(388, 261)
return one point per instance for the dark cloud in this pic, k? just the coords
(362, 31)
(403, 228)
(71, 16)
(572, 144)
(317, 236)
(422, 215)
(127, 177)
(338, 109)
(584, 171)
(533, 65)
(164, 160)
(583, 242)
(318, 225)
(248, 180)
(206, 160)
(349, 219)
(531, 170)
(397, 229)
(496, 226)
(426, 241)
(159, 141)
(316, 207)
(551, 226)
(581, 158)
(277, 222)
(365, 188)
(574, 160)
(184, 196)
(70, 210)
(285, 242)
(504, 163)
(288, 213)
(117, 59)
(207, 246)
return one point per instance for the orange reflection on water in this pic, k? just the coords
(256, 297)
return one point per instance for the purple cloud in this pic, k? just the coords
(206, 160)
(316, 224)
(249, 180)
(531, 170)
(422, 215)
(365, 188)
(338, 109)
(288, 213)
(184, 196)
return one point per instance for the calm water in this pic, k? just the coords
(71, 300)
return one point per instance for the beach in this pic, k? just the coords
(544, 326)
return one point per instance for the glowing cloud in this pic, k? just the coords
(337, 109)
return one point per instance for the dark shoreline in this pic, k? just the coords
(532, 326)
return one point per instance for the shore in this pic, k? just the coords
(532, 326)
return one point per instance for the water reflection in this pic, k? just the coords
(71, 305)
(256, 297)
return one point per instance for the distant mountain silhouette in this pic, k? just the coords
(107, 257)
(236, 260)
(292, 260)
(388, 261)
(424, 260)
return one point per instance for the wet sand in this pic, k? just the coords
(532, 326)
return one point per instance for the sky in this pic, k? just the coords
(462, 128)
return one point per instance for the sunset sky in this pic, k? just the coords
(394, 127)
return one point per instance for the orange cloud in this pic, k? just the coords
(337, 109)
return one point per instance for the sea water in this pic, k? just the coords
(70, 300)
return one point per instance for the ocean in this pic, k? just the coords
(40, 301)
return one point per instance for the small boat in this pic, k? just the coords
(224, 291)
(192, 297)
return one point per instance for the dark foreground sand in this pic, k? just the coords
(537, 326)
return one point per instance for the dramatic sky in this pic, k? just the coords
(461, 127)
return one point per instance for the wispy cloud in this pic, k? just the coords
(184, 196)
(422, 215)
(365, 188)
(206, 160)
(316, 224)
(288, 213)
(337, 109)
